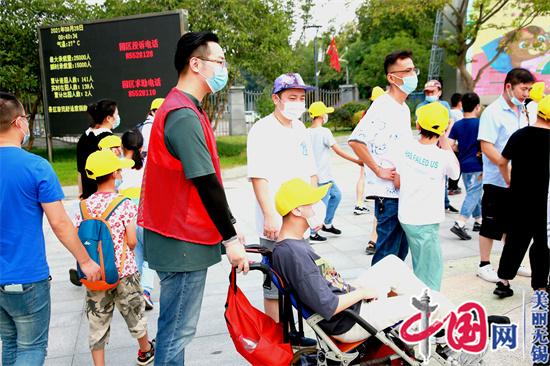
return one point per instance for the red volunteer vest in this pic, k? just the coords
(170, 204)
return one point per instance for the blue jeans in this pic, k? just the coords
(447, 202)
(391, 237)
(147, 274)
(472, 203)
(24, 324)
(331, 200)
(180, 305)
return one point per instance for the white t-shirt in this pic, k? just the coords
(386, 124)
(321, 142)
(131, 183)
(146, 132)
(456, 115)
(277, 154)
(423, 169)
(532, 109)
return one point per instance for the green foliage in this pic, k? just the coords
(342, 117)
(264, 104)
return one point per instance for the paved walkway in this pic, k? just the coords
(212, 344)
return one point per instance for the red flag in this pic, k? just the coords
(333, 53)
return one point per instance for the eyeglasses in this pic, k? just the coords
(414, 69)
(222, 63)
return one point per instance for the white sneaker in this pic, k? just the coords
(524, 271)
(487, 273)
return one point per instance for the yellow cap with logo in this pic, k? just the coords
(295, 193)
(317, 109)
(104, 162)
(537, 91)
(544, 108)
(376, 92)
(156, 103)
(109, 142)
(433, 117)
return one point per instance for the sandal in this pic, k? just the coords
(371, 248)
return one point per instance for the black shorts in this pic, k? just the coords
(495, 209)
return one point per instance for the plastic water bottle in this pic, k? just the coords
(248, 344)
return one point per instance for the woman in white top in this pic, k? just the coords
(132, 144)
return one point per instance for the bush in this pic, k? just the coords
(344, 116)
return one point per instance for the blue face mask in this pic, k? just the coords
(117, 122)
(26, 135)
(515, 101)
(409, 83)
(118, 182)
(217, 81)
(431, 98)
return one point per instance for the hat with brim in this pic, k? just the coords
(291, 80)
(433, 117)
(317, 109)
(543, 110)
(109, 142)
(104, 162)
(432, 85)
(156, 103)
(376, 92)
(295, 193)
(537, 91)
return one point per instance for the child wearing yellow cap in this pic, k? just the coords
(322, 142)
(422, 166)
(321, 289)
(528, 178)
(104, 167)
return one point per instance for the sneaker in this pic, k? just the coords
(476, 227)
(460, 232)
(487, 273)
(451, 209)
(74, 278)
(148, 302)
(332, 230)
(371, 248)
(503, 290)
(300, 341)
(145, 358)
(524, 271)
(358, 210)
(317, 237)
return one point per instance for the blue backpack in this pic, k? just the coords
(95, 234)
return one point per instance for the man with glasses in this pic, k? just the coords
(183, 208)
(28, 189)
(386, 125)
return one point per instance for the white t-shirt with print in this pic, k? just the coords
(386, 125)
(322, 141)
(423, 169)
(278, 154)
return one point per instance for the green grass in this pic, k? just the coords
(231, 149)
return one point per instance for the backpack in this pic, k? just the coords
(95, 234)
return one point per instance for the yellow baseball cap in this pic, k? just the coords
(105, 162)
(433, 117)
(156, 103)
(376, 92)
(295, 193)
(537, 91)
(544, 108)
(317, 109)
(109, 142)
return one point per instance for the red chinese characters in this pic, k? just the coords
(141, 87)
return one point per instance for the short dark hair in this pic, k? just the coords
(428, 134)
(394, 56)
(517, 76)
(101, 110)
(103, 178)
(192, 44)
(455, 99)
(469, 102)
(10, 109)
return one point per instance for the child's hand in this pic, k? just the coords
(369, 294)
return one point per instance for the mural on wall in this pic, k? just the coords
(530, 49)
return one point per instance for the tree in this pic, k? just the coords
(19, 60)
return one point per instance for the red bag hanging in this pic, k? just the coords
(255, 335)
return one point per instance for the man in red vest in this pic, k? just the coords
(183, 208)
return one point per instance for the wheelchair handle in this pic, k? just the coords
(257, 266)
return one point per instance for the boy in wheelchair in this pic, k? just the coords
(381, 295)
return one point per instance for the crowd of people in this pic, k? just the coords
(158, 193)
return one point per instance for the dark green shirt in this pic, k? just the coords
(184, 139)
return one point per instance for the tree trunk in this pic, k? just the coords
(32, 117)
(465, 75)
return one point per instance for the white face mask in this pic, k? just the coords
(315, 221)
(293, 110)
(325, 118)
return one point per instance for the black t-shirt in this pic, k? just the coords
(529, 150)
(87, 144)
(315, 281)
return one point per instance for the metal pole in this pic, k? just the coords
(315, 63)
